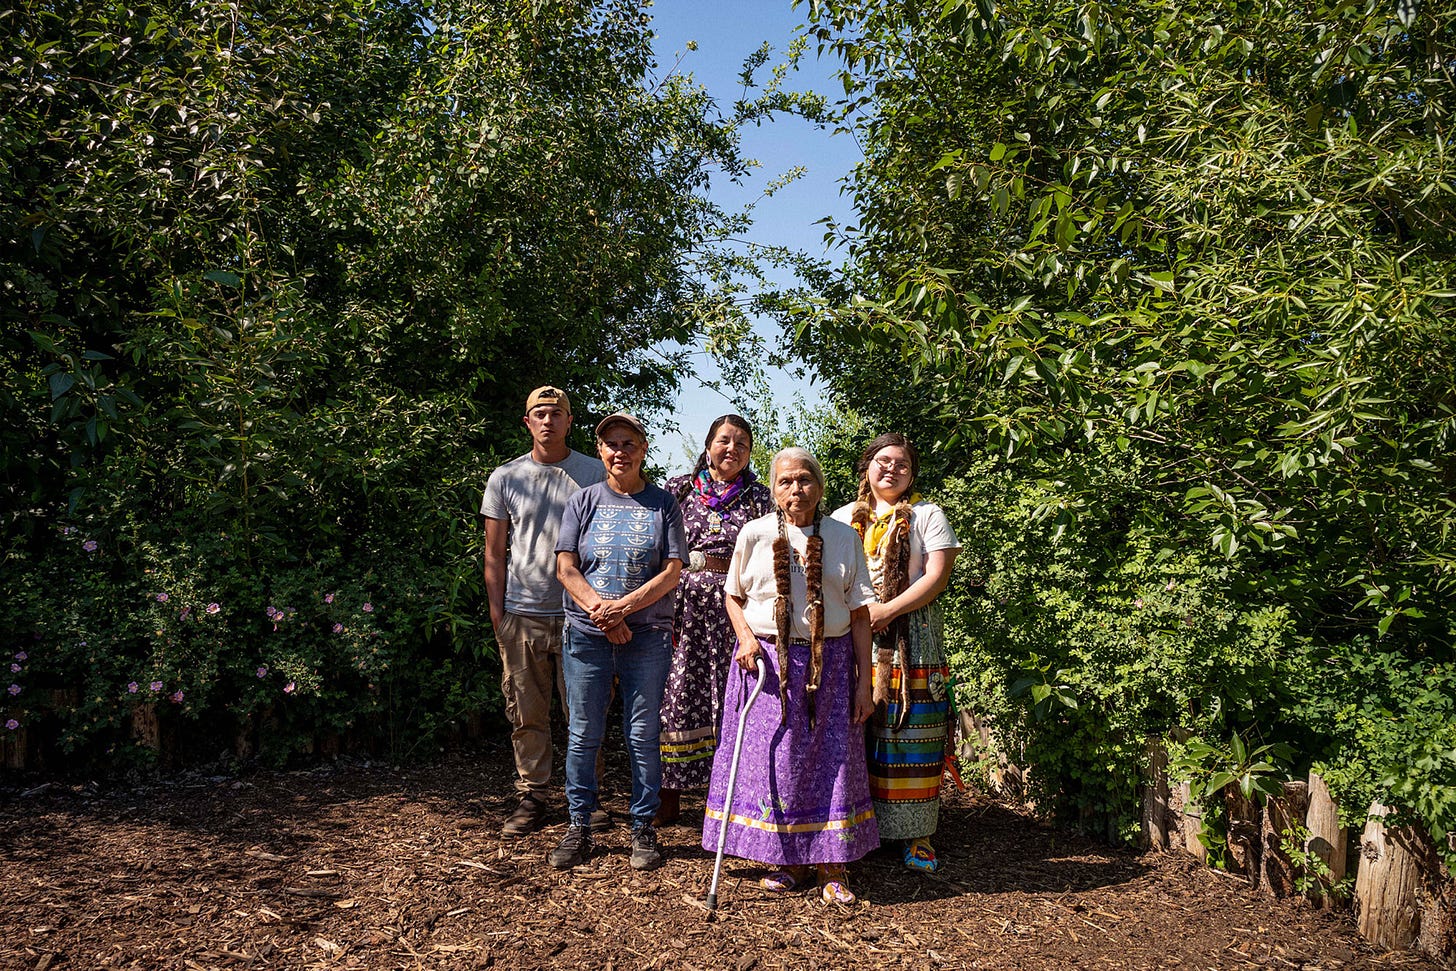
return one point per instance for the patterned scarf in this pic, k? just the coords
(783, 553)
(720, 495)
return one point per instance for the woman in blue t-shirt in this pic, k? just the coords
(618, 555)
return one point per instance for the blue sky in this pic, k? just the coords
(727, 32)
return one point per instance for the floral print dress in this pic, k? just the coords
(703, 640)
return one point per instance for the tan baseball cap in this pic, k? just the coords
(622, 418)
(547, 395)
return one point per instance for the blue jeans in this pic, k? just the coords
(589, 662)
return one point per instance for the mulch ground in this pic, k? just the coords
(359, 865)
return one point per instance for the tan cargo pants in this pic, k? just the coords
(530, 649)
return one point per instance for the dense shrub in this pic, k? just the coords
(276, 282)
(1085, 641)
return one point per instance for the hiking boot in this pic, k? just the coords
(645, 854)
(601, 821)
(530, 813)
(573, 849)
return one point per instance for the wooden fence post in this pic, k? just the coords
(1154, 834)
(15, 741)
(1385, 886)
(1436, 894)
(1327, 840)
(1190, 822)
(977, 740)
(1243, 833)
(1282, 814)
(146, 729)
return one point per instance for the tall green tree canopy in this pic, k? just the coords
(276, 280)
(1216, 235)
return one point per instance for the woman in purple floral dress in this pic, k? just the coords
(719, 496)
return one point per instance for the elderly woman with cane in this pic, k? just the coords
(798, 595)
(911, 548)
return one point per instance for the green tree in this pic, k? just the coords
(278, 278)
(1217, 235)
(1184, 271)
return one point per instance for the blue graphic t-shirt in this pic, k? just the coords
(621, 543)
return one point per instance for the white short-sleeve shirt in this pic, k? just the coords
(930, 530)
(846, 584)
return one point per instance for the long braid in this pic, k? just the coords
(687, 486)
(864, 506)
(783, 610)
(814, 583)
(894, 559)
(896, 577)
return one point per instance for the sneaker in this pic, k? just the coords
(601, 821)
(573, 849)
(645, 854)
(530, 813)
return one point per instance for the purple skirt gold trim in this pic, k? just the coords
(802, 794)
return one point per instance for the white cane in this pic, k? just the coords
(728, 795)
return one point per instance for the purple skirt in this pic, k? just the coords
(802, 794)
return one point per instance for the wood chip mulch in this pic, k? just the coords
(360, 865)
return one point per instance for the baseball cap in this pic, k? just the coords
(547, 395)
(622, 418)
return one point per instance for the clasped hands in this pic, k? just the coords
(610, 617)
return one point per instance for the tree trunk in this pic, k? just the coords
(1385, 887)
(1243, 834)
(1327, 840)
(1155, 796)
(1283, 817)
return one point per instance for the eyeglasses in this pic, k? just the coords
(893, 465)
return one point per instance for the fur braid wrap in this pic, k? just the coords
(783, 613)
(814, 582)
(893, 557)
(784, 610)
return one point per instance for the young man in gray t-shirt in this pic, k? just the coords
(524, 499)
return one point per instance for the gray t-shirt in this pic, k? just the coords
(531, 496)
(621, 543)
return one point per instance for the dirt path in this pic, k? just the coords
(360, 866)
